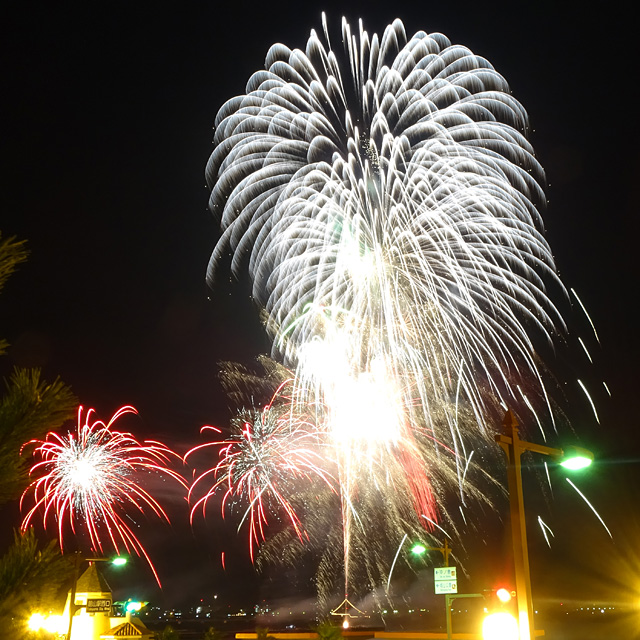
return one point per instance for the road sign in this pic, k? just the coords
(445, 580)
(97, 605)
(444, 573)
(446, 586)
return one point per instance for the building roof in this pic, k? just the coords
(92, 581)
(127, 629)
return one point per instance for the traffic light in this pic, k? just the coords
(504, 595)
(501, 598)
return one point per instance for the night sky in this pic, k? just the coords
(107, 114)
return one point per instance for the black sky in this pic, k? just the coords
(107, 115)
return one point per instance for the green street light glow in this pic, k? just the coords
(418, 549)
(119, 561)
(576, 458)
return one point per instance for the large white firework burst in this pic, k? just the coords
(385, 201)
(396, 195)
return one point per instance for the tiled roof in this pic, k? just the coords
(127, 630)
(92, 581)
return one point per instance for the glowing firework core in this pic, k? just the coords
(82, 473)
(363, 411)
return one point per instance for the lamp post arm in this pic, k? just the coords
(523, 445)
(445, 551)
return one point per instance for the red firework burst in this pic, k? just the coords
(91, 479)
(269, 452)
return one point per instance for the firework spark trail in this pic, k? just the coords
(269, 450)
(590, 506)
(395, 558)
(386, 208)
(591, 403)
(90, 480)
(545, 528)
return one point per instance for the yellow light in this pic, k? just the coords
(500, 626)
(36, 622)
(56, 624)
(345, 624)
(52, 623)
(503, 595)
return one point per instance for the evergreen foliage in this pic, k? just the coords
(12, 253)
(328, 631)
(29, 408)
(262, 633)
(168, 633)
(31, 577)
(213, 634)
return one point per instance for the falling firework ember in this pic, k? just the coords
(269, 451)
(91, 481)
(385, 202)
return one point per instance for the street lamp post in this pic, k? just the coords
(513, 447)
(419, 549)
(78, 559)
